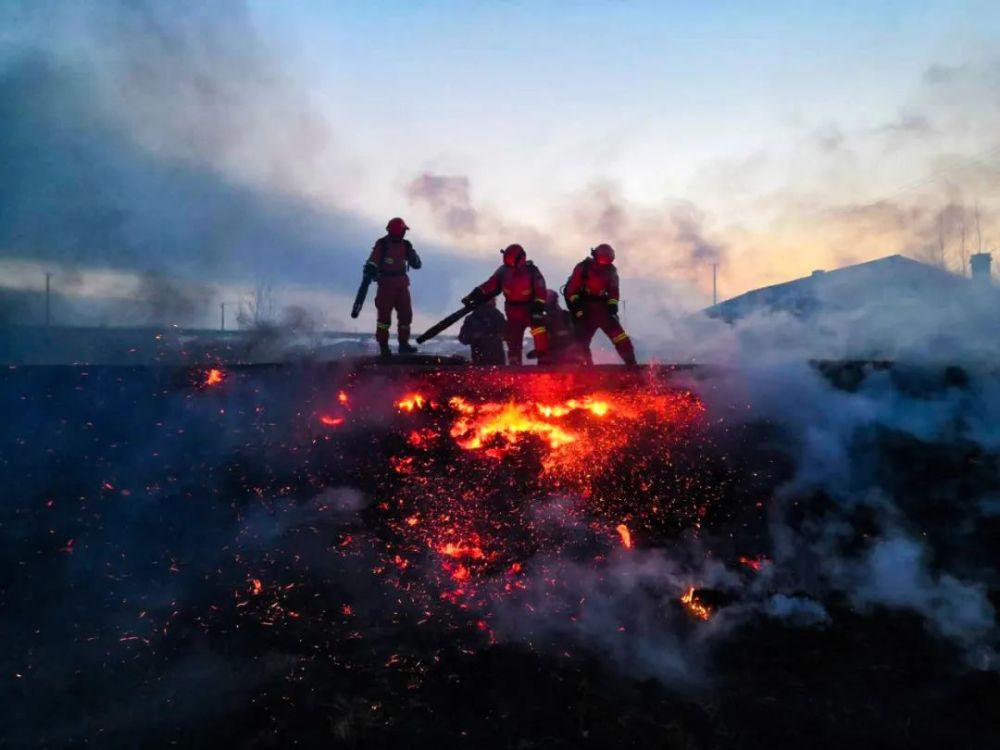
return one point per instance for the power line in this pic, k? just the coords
(979, 159)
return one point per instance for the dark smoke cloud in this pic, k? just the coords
(166, 139)
(449, 199)
(670, 240)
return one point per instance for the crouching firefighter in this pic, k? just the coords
(592, 298)
(391, 258)
(483, 331)
(524, 301)
(563, 348)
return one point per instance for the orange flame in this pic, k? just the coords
(214, 376)
(695, 607)
(625, 534)
(410, 402)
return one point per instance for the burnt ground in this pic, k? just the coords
(182, 566)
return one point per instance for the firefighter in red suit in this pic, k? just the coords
(592, 298)
(388, 264)
(524, 295)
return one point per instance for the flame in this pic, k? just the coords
(625, 535)
(579, 434)
(410, 402)
(458, 550)
(331, 421)
(214, 376)
(342, 397)
(695, 607)
(508, 422)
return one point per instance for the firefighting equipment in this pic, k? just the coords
(603, 254)
(475, 297)
(396, 228)
(513, 255)
(359, 298)
(448, 320)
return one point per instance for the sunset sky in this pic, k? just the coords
(770, 138)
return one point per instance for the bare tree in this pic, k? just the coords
(963, 253)
(941, 259)
(979, 231)
(257, 308)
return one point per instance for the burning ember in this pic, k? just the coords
(625, 534)
(214, 376)
(695, 607)
(477, 469)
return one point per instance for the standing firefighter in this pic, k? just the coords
(391, 257)
(524, 295)
(592, 297)
(483, 331)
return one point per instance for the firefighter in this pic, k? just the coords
(391, 258)
(592, 297)
(559, 324)
(483, 330)
(524, 301)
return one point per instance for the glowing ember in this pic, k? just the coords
(410, 402)
(342, 398)
(506, 422)
(625, 534)
(214, 376)
(458, 550)
(754, 563)
(695, 607)
(331, 421)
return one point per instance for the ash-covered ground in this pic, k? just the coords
(787, 556)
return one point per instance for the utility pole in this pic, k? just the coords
(715, 296)
(48, 299)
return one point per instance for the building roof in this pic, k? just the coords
(894, 277)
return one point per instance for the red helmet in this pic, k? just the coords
(513, 255)
(396, 227)
(604, 254)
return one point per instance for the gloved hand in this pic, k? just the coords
(370, 271)
(413, 259)
(613, 309)
(537, 310)
(474, 297)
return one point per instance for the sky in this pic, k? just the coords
(768, 138)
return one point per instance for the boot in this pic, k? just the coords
(406, 348)
(629, 358)
(384, 353)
